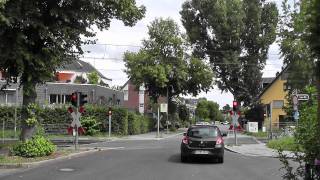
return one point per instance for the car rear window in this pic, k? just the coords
(203, 132)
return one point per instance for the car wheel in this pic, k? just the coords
(184, 158)
(220, 160)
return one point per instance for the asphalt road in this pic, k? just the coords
(151, 160)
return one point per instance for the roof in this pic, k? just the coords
(273, 81)
(267, 79)
(80, 66)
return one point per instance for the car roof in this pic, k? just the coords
(203, 125)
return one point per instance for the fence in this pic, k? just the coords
(281, 129)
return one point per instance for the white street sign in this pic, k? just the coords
(303, 97)
(253, 127)
(235, 118)
(163, 107)
(76, 119)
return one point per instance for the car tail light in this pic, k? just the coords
(185, 140)
(219, 141)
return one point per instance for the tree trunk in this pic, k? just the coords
(29, 97)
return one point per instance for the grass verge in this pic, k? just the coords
(285, 143)
(259, 134)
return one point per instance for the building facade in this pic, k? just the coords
(274, 98)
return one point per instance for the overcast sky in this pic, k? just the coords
(107, 54)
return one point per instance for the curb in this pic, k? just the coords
(34, 164)
(250, 155)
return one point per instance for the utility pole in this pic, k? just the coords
(158, 123)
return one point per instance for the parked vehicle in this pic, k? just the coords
(204, 141)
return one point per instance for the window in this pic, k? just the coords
(203, 132)
(277, 104)
(126, 95)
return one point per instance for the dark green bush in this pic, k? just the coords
(134, 126)
(91, 125)
(38, 146)
(123, 122)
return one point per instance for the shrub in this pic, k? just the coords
(91, 125)
(134, 124)
(120, 121)
(38, 146)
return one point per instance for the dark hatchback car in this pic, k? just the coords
(204, 141)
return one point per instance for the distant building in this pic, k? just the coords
(59, 92)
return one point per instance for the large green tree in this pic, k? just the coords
(235, 36)
(39, 35)
(313, 37)
(163, 66)
(209, 111)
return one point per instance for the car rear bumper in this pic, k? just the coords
(214, 152)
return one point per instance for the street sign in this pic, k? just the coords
(76, 119)
(303, 97)
(235, 118)
(163, 107)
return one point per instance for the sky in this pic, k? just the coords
(106, 55)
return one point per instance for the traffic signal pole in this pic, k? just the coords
(76, 126)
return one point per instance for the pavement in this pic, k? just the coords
(255, 148)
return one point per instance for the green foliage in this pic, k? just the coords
(208, 111)
(163, 66)
(296, 53)
(91, 125)
(80, 80)
(95, 119)
(39, 36)
(259, 134)
(285, 143)
(38, 146)
(235, 36)
(184, 114)
(93, 78)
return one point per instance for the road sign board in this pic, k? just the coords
(235, 118)
(303, 97)
(76, 119)
(163, 107)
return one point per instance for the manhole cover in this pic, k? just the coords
(66, 170)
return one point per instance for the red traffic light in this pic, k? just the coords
(235, 103)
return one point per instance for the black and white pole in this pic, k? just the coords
(110, 118)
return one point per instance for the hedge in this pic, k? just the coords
(124, 122)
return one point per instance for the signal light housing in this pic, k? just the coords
(74, 99)
(83, 99)
(235, 106)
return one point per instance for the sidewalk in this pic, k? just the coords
(256, 149)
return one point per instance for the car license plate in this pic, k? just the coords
(201, 152)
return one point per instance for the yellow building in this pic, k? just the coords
(274, 98)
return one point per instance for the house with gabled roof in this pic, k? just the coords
(59, 91)
(273, 97)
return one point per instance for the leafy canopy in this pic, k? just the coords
(235, 36)
(208, 111)
(163, 63)
(39, 35)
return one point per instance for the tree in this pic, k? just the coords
(235, 37)
(226, 108)
(93, 78)
(163, 66)
(297, 56)
(313, 36)
(38, 36)
(184, 114)
(209, 111)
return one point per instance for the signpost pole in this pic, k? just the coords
(158, 123)
(110, 125)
